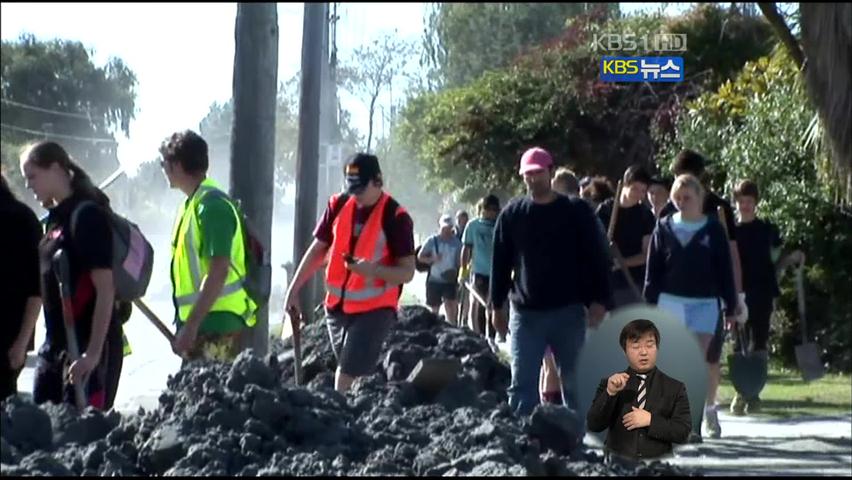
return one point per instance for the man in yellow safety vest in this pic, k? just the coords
(208, 257)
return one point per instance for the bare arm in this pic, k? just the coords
(465, 255)
(427, 258)
(211, 288)
(104, 304)
(312, 261)
(401, 273)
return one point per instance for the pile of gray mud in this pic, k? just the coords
(249, 418)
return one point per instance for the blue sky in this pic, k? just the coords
(183, 53)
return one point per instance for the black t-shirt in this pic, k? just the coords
(633, 223)
(711, 203)
(20, 278)
(88, 249)
(755, 241)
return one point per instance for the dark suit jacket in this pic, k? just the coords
(670, 419)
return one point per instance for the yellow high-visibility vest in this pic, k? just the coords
(189, 269)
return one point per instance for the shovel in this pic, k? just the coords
(476, 296)
(616, 252)
(62, 270)
(807, 354)
(295, 323)
(155, 320)
(748, 370)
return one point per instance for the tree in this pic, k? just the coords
(52, 89)
(469, 138)
(374, 67)
(464, 40)
(754, 127)
(827, 41)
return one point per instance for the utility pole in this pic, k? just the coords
(307, 162)
(255, 93)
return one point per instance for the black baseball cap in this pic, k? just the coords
(359, 170)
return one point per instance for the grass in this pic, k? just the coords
(786, 395)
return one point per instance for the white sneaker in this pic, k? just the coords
(710, 425)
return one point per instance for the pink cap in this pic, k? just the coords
(535, 158)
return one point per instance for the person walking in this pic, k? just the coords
(759, 243)
(633, 226)
(540, 241)
(78, 229)
(443, 253)
(368, 239)
(20, 289)
(478, 241)
(212, 308)
(693, 163)
(689, 269)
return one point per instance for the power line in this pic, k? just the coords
(59, 135)
(47, 110)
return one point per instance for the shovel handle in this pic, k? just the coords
(61, 270)
(155, 320)
(800, 297)
(295, 323)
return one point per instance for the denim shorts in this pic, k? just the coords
(699, 315)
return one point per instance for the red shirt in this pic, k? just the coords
(399, 229)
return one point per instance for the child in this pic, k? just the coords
(759, 244)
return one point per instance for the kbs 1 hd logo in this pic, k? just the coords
(642, 69)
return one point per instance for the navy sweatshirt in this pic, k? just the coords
(702, 268)
(557, 251)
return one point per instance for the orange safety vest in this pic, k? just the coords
(359, 295)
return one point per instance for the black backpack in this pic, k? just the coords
(418, 265)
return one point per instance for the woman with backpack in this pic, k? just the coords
(78, 224)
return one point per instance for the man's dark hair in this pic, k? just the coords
(636, 173)
(635, 330)
(689, 161)
(665, 181)
(188, 149)
(747, 188)
(490, 201)
(601, 190)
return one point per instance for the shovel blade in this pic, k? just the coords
(808, 359)
(748, 374)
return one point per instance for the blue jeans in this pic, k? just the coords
(564, 330)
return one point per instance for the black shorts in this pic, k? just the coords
(481, 285)
(436, 291)
(357, 339)
(757, 325)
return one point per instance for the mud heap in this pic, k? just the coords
(249, 418)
